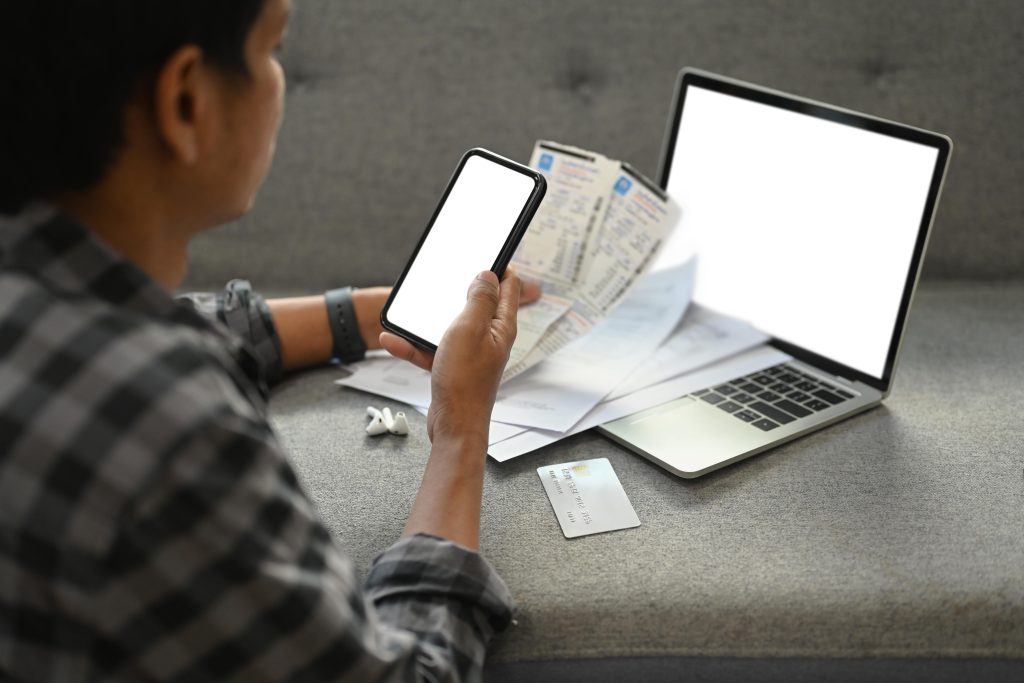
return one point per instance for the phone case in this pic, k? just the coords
(503, 257)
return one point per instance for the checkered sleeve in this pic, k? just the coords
(449, 597)
(248, 316)
(222, 571)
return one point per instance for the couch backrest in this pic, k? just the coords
(385, 95)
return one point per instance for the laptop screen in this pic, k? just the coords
(805, 226)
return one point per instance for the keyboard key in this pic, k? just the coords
(768, 396)
(777, 370)
(751, 388)
(789, 377)
(701, 392)
(829, 396)
(792, 408)
(806, 386)
(746, 415)
(742, 397)
(779, 388)
(763, 380)
(729, 406)
(725, 389)
(712, 398)
(828, 386)
(815, 404)
(766, 425)
(798, 396)
(844, 394)
(772, 412)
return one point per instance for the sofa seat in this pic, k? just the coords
(895, 535)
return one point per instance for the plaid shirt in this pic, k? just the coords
(151, 528)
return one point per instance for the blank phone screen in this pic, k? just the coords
(467, 236)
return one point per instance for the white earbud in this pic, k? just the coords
(400, 425)
(382, 421)
(376, 426)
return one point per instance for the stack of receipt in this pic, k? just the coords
(610, 335)
(599, 228)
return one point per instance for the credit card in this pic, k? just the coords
(587, 497)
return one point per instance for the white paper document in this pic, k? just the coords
(744, 363)
(579, 184)
(386, 376)
(701, 338)
(598, 230)
(556, 393)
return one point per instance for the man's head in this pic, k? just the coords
(189, 92)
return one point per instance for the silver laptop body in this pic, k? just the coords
(811, 222)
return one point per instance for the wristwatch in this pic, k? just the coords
(348, 344)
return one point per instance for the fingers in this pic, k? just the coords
(404, 350)
(530, 292)
(508, 300)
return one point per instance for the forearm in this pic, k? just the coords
(304, 330)
(448, 502)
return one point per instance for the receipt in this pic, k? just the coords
(573, 209)
(597, 231)
(639, 218)
(532, 322)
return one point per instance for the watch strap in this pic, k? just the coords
(348, 344)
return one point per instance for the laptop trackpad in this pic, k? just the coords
(688, 434)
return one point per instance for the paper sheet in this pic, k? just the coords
(702, 337)
(559, 391)
(596, 233)
(390, 377)
(746, 362)
(532, 322)
(573, 208)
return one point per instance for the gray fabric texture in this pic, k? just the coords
(895, 534)
(763, 670)
(384, 97)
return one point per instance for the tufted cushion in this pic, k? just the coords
(385, 96)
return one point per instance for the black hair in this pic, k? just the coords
(68, 68)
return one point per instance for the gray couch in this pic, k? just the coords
(890, 546)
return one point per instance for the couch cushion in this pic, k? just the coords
(383, 98)
(894, 534)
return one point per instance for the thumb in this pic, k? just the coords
(482, 297)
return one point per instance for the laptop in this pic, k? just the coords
(809, 221)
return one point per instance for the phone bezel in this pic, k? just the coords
(508, 247)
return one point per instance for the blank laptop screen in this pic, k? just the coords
(804, 227)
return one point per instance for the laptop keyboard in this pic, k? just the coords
(775, 396)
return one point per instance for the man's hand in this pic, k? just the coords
(465, 373)
(368, 303)
(471, 356)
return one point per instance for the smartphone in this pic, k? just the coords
(477, 225)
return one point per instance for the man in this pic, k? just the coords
(150, 526)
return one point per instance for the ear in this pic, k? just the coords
(181, 103)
